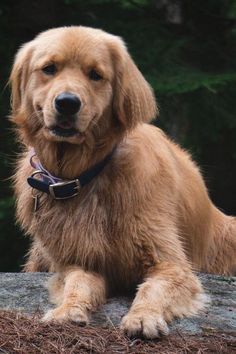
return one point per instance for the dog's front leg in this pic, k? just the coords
(76, 293)
(169, 291)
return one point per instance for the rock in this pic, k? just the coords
(26, 292)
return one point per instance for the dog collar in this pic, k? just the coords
(57, 187)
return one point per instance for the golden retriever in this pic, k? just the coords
(144, 220)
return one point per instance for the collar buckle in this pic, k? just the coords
(72, 188)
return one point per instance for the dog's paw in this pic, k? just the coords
(66, 313)
(144, 324)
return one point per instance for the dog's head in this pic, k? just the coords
(71, 82)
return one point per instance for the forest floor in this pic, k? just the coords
(25, 334)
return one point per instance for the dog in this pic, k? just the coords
(110, 203)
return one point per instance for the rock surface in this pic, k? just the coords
(26, 292)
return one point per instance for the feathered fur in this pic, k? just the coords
(146, 219)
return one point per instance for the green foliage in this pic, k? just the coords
(122, 3)
(6, 205)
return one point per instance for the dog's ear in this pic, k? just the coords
(18, 77)
(133, 100)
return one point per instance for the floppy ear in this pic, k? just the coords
(134, 100)
(18, 77)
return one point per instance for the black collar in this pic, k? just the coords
(63, 189)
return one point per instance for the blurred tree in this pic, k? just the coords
(187, 51)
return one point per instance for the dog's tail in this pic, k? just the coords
(221, 255)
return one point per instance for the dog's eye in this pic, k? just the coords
(49, 69)
(93, 75)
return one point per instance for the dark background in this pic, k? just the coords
(186, 50)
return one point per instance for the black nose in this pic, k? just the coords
(66, 103)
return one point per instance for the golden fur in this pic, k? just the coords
(145, 219)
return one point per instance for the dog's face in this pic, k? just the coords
(72, 82)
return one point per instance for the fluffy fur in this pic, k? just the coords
(146, 220)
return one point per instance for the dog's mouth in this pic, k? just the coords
(64, 131)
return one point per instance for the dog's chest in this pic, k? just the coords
(92, 234)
